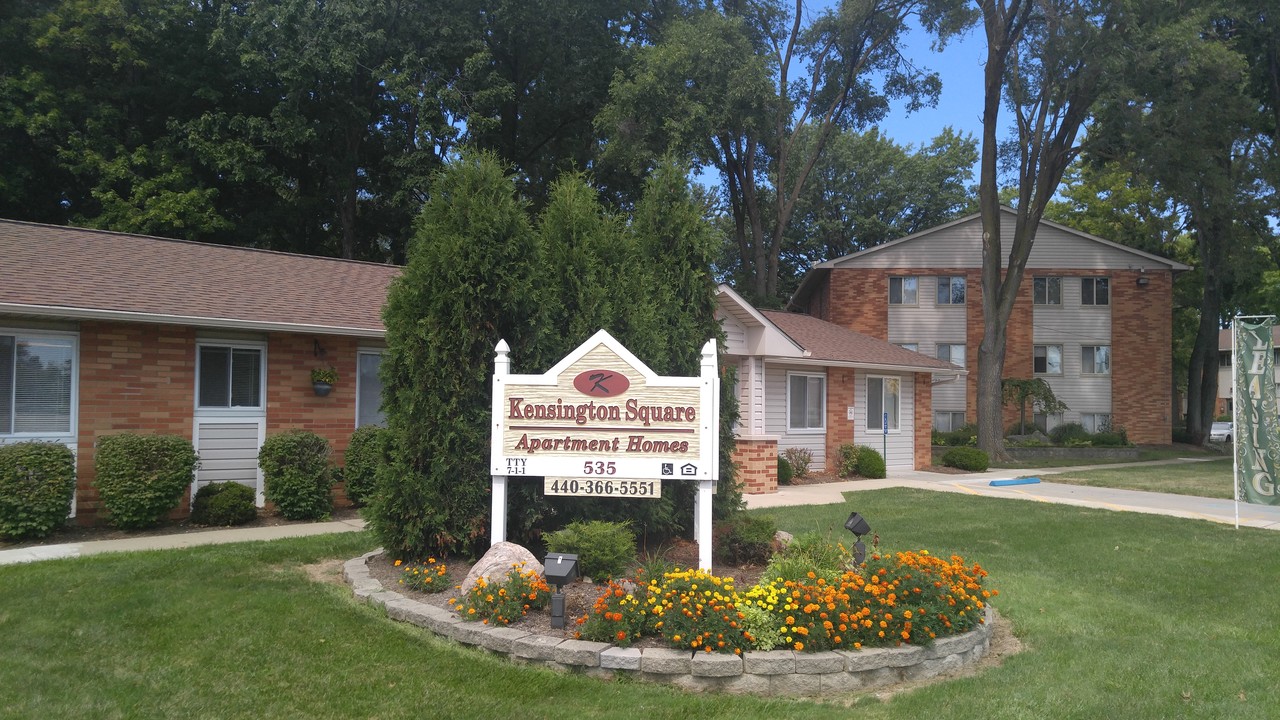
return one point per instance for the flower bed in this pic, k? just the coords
(913, 617)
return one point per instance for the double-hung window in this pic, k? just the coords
(952, 353)
(948, 420)
(230, 376)
(904, 291)
(1047, 359)
(951, 290)
(1095, 291)
(1095, 360)
(806, 401)
(1046, 291)
(37, 379)
(883, 395)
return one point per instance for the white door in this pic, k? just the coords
(230, 413)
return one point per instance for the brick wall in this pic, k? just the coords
(840, 386)
(133, 378)
(757, 461)
(1141, 359)
(923, 447)
(141, 378)
(859, 300)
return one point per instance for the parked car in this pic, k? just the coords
(1220, 432)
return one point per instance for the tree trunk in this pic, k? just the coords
(1202, 371)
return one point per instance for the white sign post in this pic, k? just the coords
(601, 423)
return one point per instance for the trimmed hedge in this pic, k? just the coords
(37, 483)
(604, 549)
(848, 460)
(224, 503)
(141, 478)
(967, 458)
(785, 471)
(368, 449)
(871, 463)
(295, 472)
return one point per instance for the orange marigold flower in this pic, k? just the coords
(799, 646)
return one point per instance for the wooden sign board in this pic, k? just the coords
(601, 423)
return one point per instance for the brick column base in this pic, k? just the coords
(757, 461)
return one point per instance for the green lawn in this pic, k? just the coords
(1145, 453)
(1211, 478)
(1123, 615)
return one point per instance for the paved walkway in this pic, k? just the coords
(169, 542)
(1188, 506)
(1222, 511)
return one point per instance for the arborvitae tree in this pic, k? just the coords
(467, 285)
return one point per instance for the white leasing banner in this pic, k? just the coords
(599, 421)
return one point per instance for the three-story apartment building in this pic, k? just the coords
(1092, 317)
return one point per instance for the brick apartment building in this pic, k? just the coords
(1092, 317)
(102, 333)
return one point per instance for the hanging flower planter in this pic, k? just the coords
(322, 380)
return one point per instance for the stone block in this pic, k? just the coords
(355, 569)
(439, 620)
(746, 684)
(468, 633)
(953, 644)
(617, 658)
(841, 682)
(666, 661)
(819, 662)
(715, 665)
(933, 667)
(384, 597)
(499, 639)
(401, 609)
(795, 685)
(536, 647)
(772, 662)
(878, 678)
(580, 652)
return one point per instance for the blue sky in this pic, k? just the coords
(959, 105)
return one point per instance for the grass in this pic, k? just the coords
(1211, 478)
(1124, 615)
(1145, 454)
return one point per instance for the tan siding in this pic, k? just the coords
(776, 415)
(901, 442)
(735, 335)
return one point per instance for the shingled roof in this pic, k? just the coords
(55, 271)
(827, 341)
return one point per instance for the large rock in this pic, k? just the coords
(499, 562)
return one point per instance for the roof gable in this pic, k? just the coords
(80, 273)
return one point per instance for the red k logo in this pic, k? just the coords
(601, 383)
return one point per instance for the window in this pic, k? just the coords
(953, 354)
(951, 291)
(806, 401)
(37, 375)
(947, 420)
(1046, 290)
(1224, 358)
(1045, 423)
(882, 397)
(1095, 291)
(913, 347)
(229, 376)
(1047, 360)
(369, 389)
(1095, 360)
(1096, 422)
(903, 291)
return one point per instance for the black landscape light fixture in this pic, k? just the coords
(857, 525)
(560, 569)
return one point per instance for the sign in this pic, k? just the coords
(1256, 431)
(885, 423)
(601, 423)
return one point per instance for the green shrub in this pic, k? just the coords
(870, 462)
(141, 478)
(848, 460)
(800, 459)
(961, 436)
(1065, 433)
(966, 458)
(37, 483)
(368, 449)
(745, 538)
(604, 549)
(809, 552)
(1111, 438)
(224, 503)
(785, 471)
(295, 470)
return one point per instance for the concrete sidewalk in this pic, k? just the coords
(1187, 506)
(170, 542)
